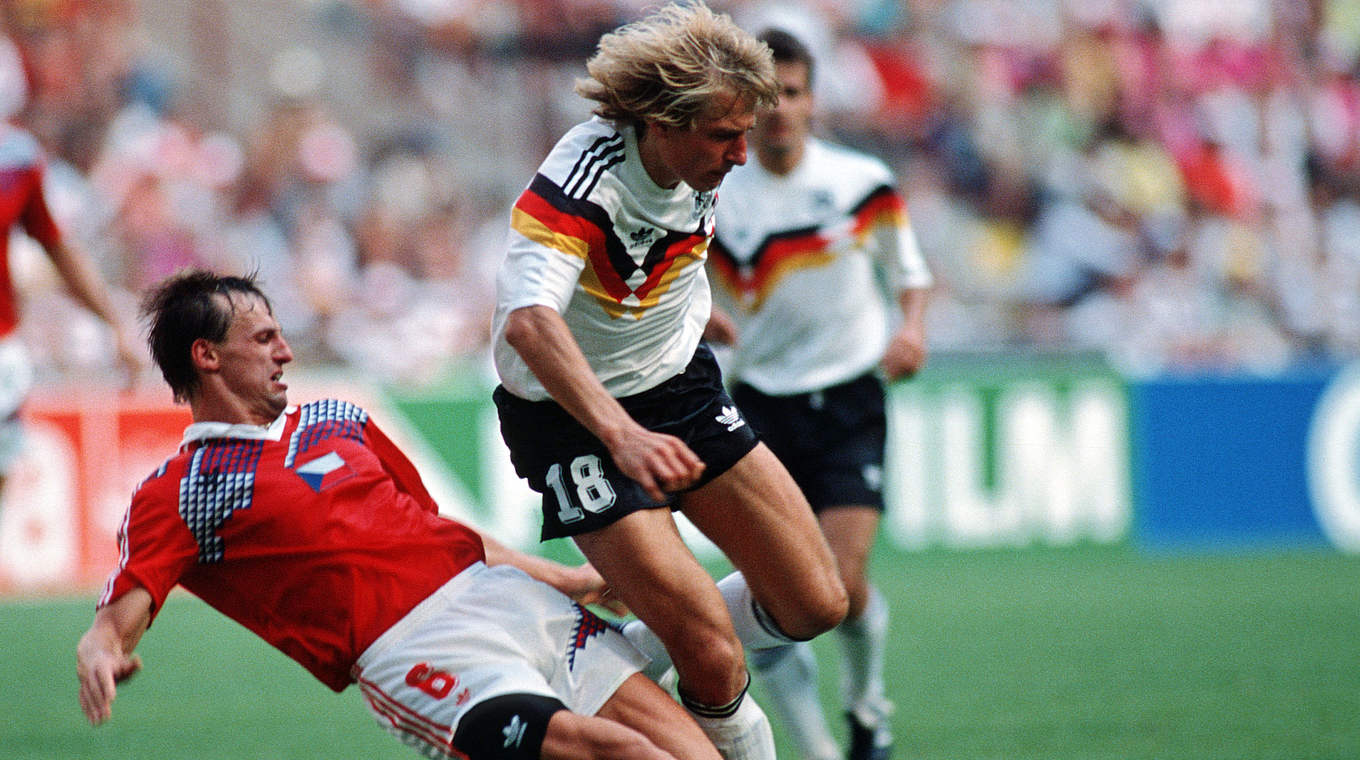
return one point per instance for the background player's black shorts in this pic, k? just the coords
(582, 488)
(831, 441)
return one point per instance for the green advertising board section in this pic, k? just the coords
(982, 453)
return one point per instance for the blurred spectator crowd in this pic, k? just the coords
(1172, 183)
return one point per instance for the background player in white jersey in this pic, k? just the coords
(309, 527)
(805, 235)
(612, 407)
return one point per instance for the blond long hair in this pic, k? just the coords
(670, 66)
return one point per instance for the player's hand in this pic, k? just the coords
(906, 353)
(130, 360)
(661, 463)
(99, 675)
(585, 584)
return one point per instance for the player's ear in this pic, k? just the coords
(205, 355)
(651, 126)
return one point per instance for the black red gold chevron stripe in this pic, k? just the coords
(882, 206)
(581, 228)
(803, 248)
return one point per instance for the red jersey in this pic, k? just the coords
(315, 533)
(22, 203)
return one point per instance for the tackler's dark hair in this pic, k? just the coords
(182, 309)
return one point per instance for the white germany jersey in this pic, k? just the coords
(618, 256)
(805, 265)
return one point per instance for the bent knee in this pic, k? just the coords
(819, 613)
(831, 609)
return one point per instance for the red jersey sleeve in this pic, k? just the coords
(396, 464)
(154, 546)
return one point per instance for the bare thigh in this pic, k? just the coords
(755, 513)
(643, 706)
(639, 722)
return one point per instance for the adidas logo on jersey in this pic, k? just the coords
(731, 418)
(643, 236)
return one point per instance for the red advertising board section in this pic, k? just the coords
(86, 449)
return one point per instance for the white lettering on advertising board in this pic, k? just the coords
(1060, 467)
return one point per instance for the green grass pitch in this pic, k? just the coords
(1084, 653)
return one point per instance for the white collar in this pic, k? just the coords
(202, 431)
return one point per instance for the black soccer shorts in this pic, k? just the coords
(582, 487)
(831, 441)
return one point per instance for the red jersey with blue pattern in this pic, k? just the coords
(21, 203)
(316, 533)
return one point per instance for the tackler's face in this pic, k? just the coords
(251, 360)
(702, 155)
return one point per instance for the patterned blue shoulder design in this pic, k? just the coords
(160, 471)
(325, 419)
(220, 480)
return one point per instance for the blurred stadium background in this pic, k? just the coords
(1125, 496)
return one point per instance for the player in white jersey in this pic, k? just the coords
(610, 404)
(633, 249)
(807, 236)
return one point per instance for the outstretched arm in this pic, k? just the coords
(582, 582)
(104, 656)
(657, 461)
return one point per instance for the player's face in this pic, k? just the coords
(784, 128)
(703, 155)
(251, 360)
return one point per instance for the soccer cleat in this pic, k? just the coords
(868, 742)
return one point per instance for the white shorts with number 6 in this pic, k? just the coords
(489, 631)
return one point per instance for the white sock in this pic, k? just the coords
(755, 628)
(738, 729)
(788, 675)
(863, 641)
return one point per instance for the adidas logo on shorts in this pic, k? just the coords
(514, 732)
(731, 418)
